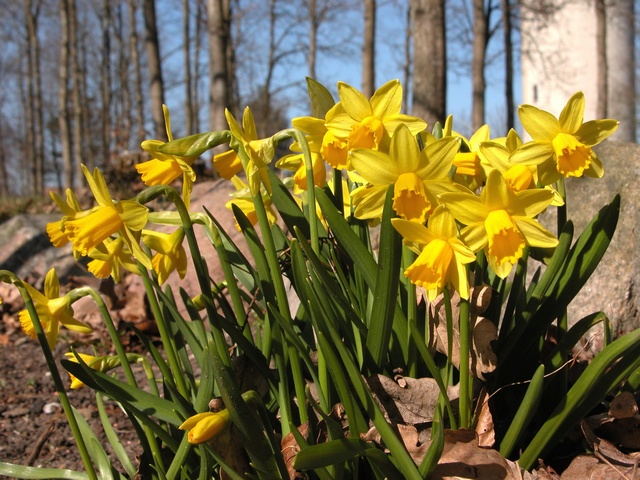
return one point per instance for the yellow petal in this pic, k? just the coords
(410, 199)
(595, 131)
(431, 269)
(387, 100)
(539, 124)
(375, 167)
(531, 153)
(572, 114)
(535, 234)
(506, 243)
(354, 102)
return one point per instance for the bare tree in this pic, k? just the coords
(186, 53)
(428, 22)
(508, 62)
(313, 38)
(219, 24)
(480, 42)
(138, 100)
(34, 97)
(63, 95)
(154, 65)
(77, 94)
(369, 48)
(105, 82)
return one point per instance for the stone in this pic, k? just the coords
(613, 287)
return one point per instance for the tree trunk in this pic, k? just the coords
(429, 60)
(123, 100)
(63, 95)
(79, 106)
(313, 38)
(508, 63)
(406, 67)
(138, 100)
(34, 78)
(219, 89)
(105, 82)
(480, 40)
(156, 85)
(369, 48)
(197, 50)
(186, 52)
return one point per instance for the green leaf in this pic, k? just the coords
(96, 452)
(321, 99)
(113, 439)
(288, 209)
(330, 453)
(524, 415)
(195, 145)
(605, 372)
(20, 471)
(386, 289)
(572, 337)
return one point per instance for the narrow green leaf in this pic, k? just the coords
(20, 471)
(321, 99)
(386, 289)
(524, 415)
(329, 453)
(610, 367)
(113, 439)
(97, 453)
(572, 337)
(195, 145)
(288, 209)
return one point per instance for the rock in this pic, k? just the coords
(25, 249)
(613, 286)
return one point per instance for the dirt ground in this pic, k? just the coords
(33, 427)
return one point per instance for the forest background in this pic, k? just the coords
(83, 81)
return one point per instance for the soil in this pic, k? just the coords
(33, 427)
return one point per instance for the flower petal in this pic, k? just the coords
(532, 153)
(535, 234)
(465, 207)
(387, 100)
(375, 167)
(354, 102)
(404, 151)
(595, 131)
(539, 124)
(572, 114)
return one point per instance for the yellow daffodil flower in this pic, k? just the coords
(108, 257)
(561, 147)
(441, 254)
(170, 254)
(370, 123)
(501, 221)
(295, 162)
(88, 359)
(243, 199)
(419, 176)
(69, 208)
(259, 151)
(126, 217)
(471, 166)
(52, 311)
(517, 176)
(163, 169)
(206, 426)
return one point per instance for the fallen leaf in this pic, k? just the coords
(623, 406)
(484, 426)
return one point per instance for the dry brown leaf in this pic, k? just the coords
(290, 449)
(623, 406)
(463, 458)
(484, 426)
(589, 467)
(481, 355)
(413, 403)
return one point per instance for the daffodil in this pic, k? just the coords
(52, 311)
(126, 217)
(259, 153)
(500, 221)
(370, 123)
(206, 426)
(170, 254)
(163, 169)
(100, 364)
(419, 176)
(90, 360)
(441, 254)
(518, 177)
(70, 208)
(109, 257)
(243, 199)
(296, 163)
(561, 147)
(471, 166)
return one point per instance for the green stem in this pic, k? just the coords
(408, 258)
(465, 377)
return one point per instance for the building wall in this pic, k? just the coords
(559, 57)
